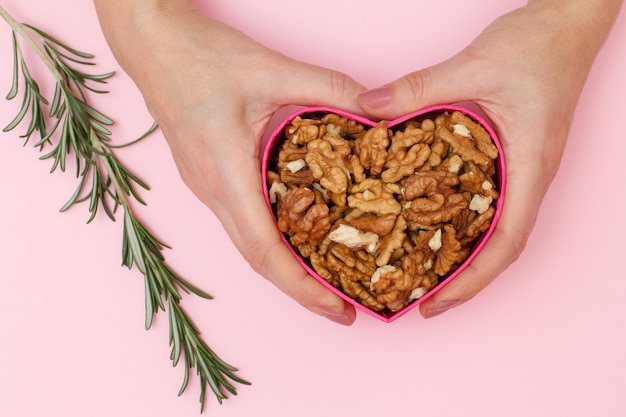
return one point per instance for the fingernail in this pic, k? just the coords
(377, 97)
(332, 315)
(441, 308)
(342, 319)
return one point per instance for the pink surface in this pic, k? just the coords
(277, 135)
(545, 339)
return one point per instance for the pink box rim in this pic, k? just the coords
(500, 178)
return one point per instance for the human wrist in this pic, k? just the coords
(591, 19)
(574, 31)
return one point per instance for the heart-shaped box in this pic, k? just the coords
(468, 109)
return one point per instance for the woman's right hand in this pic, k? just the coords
(212, 91)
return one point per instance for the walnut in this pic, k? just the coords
(357, 291)
(277, 189)
(449, 253)
(452, 164)
(464, 147)
(426, 182)
(352, 214)
(390, 286)
(341, 126)
(404, 140)
(339, 260)
(290, 152)
(381, 225)
(292, 166)
(476, 181)
(428, 125)
(398, 254)
(356, 169)
(326, 159)
(437, 208)
(365, 262)
(413, 264)
(384, 277)
(405, 163)
(375, 196)
(437, 152)
(354, 238)
(350, 270)
(478, 133)
(480, 203)
(300, 177)
(395, 287)
(435, 243)
(372, 148)
(305, 222)
(302, 131)
(432, 198)
(422, 242)
(319, 264)
(360, 261)
(480, 223)
(391, 241)
(470, 224)
(337, 213)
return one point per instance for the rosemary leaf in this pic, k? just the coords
(52, 39)
(71, 126)
(149, 301)
(140, 138)
(15, 84)
(26, 102)
(133, 242)
(74, 196)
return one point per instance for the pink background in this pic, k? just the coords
(547, 338)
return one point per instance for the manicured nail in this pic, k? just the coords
(342, 319)
(332, 315)
(377, 97)
(441, 308)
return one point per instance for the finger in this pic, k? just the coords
(503, 248)
(247, 219)
(445, 83)
(235, 196)
(310, 85)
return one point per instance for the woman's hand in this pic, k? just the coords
(526, 71)
(212, 91)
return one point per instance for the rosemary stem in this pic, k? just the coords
(19, 28)
(82, 129)
(102, 150)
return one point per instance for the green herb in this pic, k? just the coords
(68, 125)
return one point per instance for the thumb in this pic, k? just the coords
(311, 85)
(439, 84)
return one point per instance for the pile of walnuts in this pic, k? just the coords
(383, 214)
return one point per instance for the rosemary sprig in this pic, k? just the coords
(69, 125)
